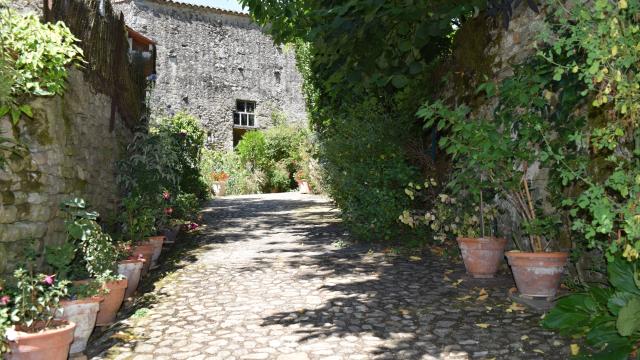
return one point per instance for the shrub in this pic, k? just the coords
(185, 207)
(188, 141)
(366, 171)
(252, 151)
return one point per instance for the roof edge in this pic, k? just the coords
(204, 7)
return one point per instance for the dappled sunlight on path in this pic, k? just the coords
(271, 278)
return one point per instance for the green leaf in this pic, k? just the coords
(399, 81)
(629, 317)
(621, 276)
(26, 109)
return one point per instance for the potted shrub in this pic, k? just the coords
(138, 221)
(464, 220)
(99, 257)
(130, 266)
(83, 300)
(302, 179)
(219, 182)
(494, 153)
(31, 331)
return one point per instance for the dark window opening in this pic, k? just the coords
(244, 116)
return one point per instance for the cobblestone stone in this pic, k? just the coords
(267, 280)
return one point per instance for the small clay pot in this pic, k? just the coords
(156, 241)
(81, 312)
(131, 269)
(50, 344)
(146, 251)
(303, 187)
(482, 256)
(112, 301)
(537, 274)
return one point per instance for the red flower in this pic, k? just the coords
(49, 279)
(4, 300)
(168, 211)
(166, 195)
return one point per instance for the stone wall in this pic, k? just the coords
(71, 152)
(208, 58)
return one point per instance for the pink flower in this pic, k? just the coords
(11, 334)
(166, 195)
(49, 279)
(168, 211)
(193, 226)
(4, 300)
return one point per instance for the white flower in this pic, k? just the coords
(11, 334)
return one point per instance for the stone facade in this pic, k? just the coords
(71, 153)
(208, 58)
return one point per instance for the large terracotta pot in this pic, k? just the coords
(482, 256)
(83, 313)
(112, 301)
(303, 187)
(219, 188)
(145, 251)
(171, 234)
(46, 345)
(131, 269)
(537, 274)
(156, 242)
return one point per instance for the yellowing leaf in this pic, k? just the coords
(462, 298)
(515, 307)
(483, 325)
(622, 4)
(483, 295)
(538, 351)
(404, 312)
(415, 258)
(446, 278)
(524, 337)
(575, 349)
(489, 308)
(457, 282)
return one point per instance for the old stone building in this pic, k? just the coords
(219, 66)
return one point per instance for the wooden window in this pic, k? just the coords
(245, 116)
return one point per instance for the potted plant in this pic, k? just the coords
(302, 179)
(219, 182)
(499, 149)
(130, 266)
(138, 220)
(31, 331)
(466, 221)
(83, 299)
(99, 257)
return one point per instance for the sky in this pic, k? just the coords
(223, 4)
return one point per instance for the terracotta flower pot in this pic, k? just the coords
(146, 251)
(131, 269)
(303, 187)
(83, 313)
(537, 274)
(156, 241)
(112, 301)
(482, 256)
(219, 188)
(50, 344)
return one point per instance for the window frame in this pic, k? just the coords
(244, 119)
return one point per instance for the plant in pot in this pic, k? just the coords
(83, 299)
(138, 223)
(302, 178)
(130, 266)
(219, 182)
(471, 224)
(30, 329)
(494, 154)
(99, 257)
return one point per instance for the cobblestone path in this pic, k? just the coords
(271, 277)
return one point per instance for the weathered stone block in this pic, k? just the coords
(8, 214)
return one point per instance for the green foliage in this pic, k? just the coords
(607, 317)
(252, 150)
(366, 171)
(36, 300)
(33, 60)
(187, 142)
(97, 252)
(150, 165)
(138, 218)
(186, 206)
